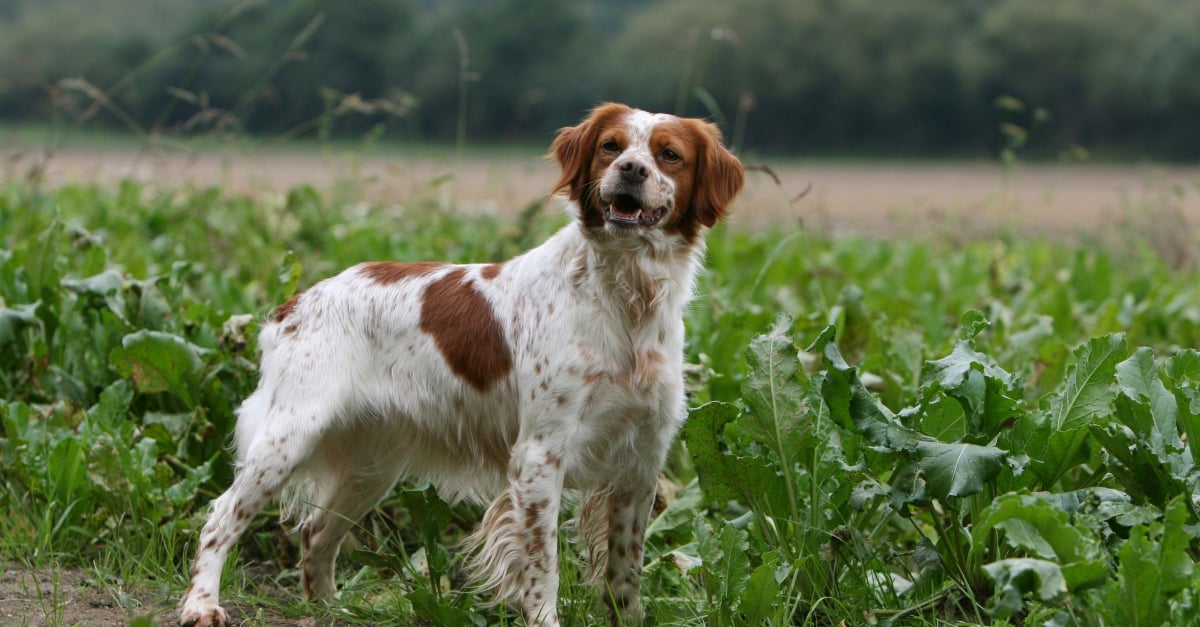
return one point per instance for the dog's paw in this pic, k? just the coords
(207, 616)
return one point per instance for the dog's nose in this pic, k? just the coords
(633, 170)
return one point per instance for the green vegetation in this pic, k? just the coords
(853, 76)
(1015, 442)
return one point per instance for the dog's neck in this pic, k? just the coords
(637, 278)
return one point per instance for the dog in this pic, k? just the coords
(561, 368)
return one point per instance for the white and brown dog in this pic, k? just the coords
(559, 369)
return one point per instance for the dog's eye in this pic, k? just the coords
(611, 146)
(670, 155)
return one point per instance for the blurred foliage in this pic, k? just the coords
(856, 76)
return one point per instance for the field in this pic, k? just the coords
(876, 199)
(931, 394)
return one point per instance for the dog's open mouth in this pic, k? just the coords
(627, 210)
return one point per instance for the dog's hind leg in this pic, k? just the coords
(353, 486)
(274, 439)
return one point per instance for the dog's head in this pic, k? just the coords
(633, 173)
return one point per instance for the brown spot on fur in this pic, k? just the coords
(591, 376)
(306, 585)
(491, 271)
(211, 542)
(537, 545)
(464, 327)
(646, 367)
(388, 272)
(283, 311)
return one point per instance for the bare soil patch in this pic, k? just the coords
(70, 596)
(881, 199)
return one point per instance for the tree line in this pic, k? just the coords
(934, 77)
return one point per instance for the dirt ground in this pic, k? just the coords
(72, 597)
(878, 199)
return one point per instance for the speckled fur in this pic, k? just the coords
(504, 383)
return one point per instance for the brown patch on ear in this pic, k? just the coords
(719, 174)
(464, 327)
(388, 272)
(283, 311)
(574, 148)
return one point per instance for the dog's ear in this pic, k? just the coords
(575, 146)
(719, 174)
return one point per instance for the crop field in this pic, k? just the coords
(917, 405)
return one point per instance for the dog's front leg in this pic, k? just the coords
(537, 493)
(517, 544)
(628, 505)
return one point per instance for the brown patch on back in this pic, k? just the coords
(491, 271)
(464, 327)
(283, 311)
(388, 272)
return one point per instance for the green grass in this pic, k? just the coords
(127, 322)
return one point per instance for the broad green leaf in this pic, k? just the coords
(1152, 412)
(708, 553)
(42, 260)
(184, 490)
(436, 610)
(1145, 475)
(972, 323)
(852, 406)
(1183, 365)
(67, 468)
(13, 318)
(1087, 392)
(1187, 401)
(677, 514)
(1154, 567)
(760, 599)
(158, 362)
(112, 410)
(704, 434)
(984, 390)
(957, 469)
(1057, 442)
(735, 565)
(107, 285)
(772, 393)
(1034, 525)
(1019, 576)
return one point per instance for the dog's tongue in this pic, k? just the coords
(626, 206)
